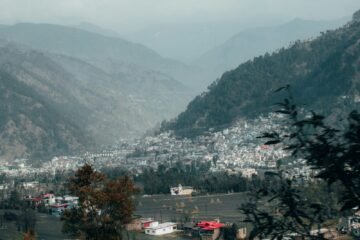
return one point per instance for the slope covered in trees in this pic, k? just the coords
(250, 43)
(324, 74)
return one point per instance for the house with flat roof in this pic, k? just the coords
(157, 228)
(181, 190)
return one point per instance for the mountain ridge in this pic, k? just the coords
(96, 48)
(253, 42)
(101, 105)
(320, 71)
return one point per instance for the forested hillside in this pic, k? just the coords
(250, 43)
(323, 73)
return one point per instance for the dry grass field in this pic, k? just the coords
(178, 208)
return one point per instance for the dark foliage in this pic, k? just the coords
(105, 206)
(332, 153)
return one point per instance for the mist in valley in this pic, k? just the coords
(117, 69)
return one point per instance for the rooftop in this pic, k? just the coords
(162, 225)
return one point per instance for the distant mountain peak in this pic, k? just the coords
(90, 27)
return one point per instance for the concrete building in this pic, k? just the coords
(180, 190)
(161, 229)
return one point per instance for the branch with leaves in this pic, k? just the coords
(334, 154)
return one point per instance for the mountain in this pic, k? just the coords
(129, 101)
(324, 75)
(188, 40)
(101, 106)
(254, 42)
(97, 49)
(86, 26)
(30, 127)
(185, 41)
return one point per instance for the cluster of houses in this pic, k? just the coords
(234, 149)
(55, 204)
(181, 190)
(202, 230)
(150, 226)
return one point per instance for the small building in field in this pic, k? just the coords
(181, 190)
(161, 229)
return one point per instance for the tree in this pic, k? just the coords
(282, 211)
(14, 201)
(105, 206)
(333, 153)
(29, 220)
(119, 204)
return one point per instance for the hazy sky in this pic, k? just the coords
(126, 15)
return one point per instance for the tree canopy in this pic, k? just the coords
(105, 206)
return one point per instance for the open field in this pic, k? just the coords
(47, 228)
(177, 208)
(161, 207)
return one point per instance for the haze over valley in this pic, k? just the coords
(110, 88)
(188, 119)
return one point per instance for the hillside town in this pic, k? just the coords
(234, 149)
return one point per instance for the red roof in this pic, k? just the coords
(210, 225)
(47, 195)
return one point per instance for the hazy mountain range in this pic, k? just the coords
(73, 88)
(96, 48)
(102, 98)
(250, 43)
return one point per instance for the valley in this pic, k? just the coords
(245, 129)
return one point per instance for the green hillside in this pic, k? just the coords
(257, 41)
(324, 74)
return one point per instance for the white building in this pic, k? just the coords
(28, 185)
(49, 199)
(180, 190)
(161, 229)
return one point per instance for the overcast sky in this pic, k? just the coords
(127, 15)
